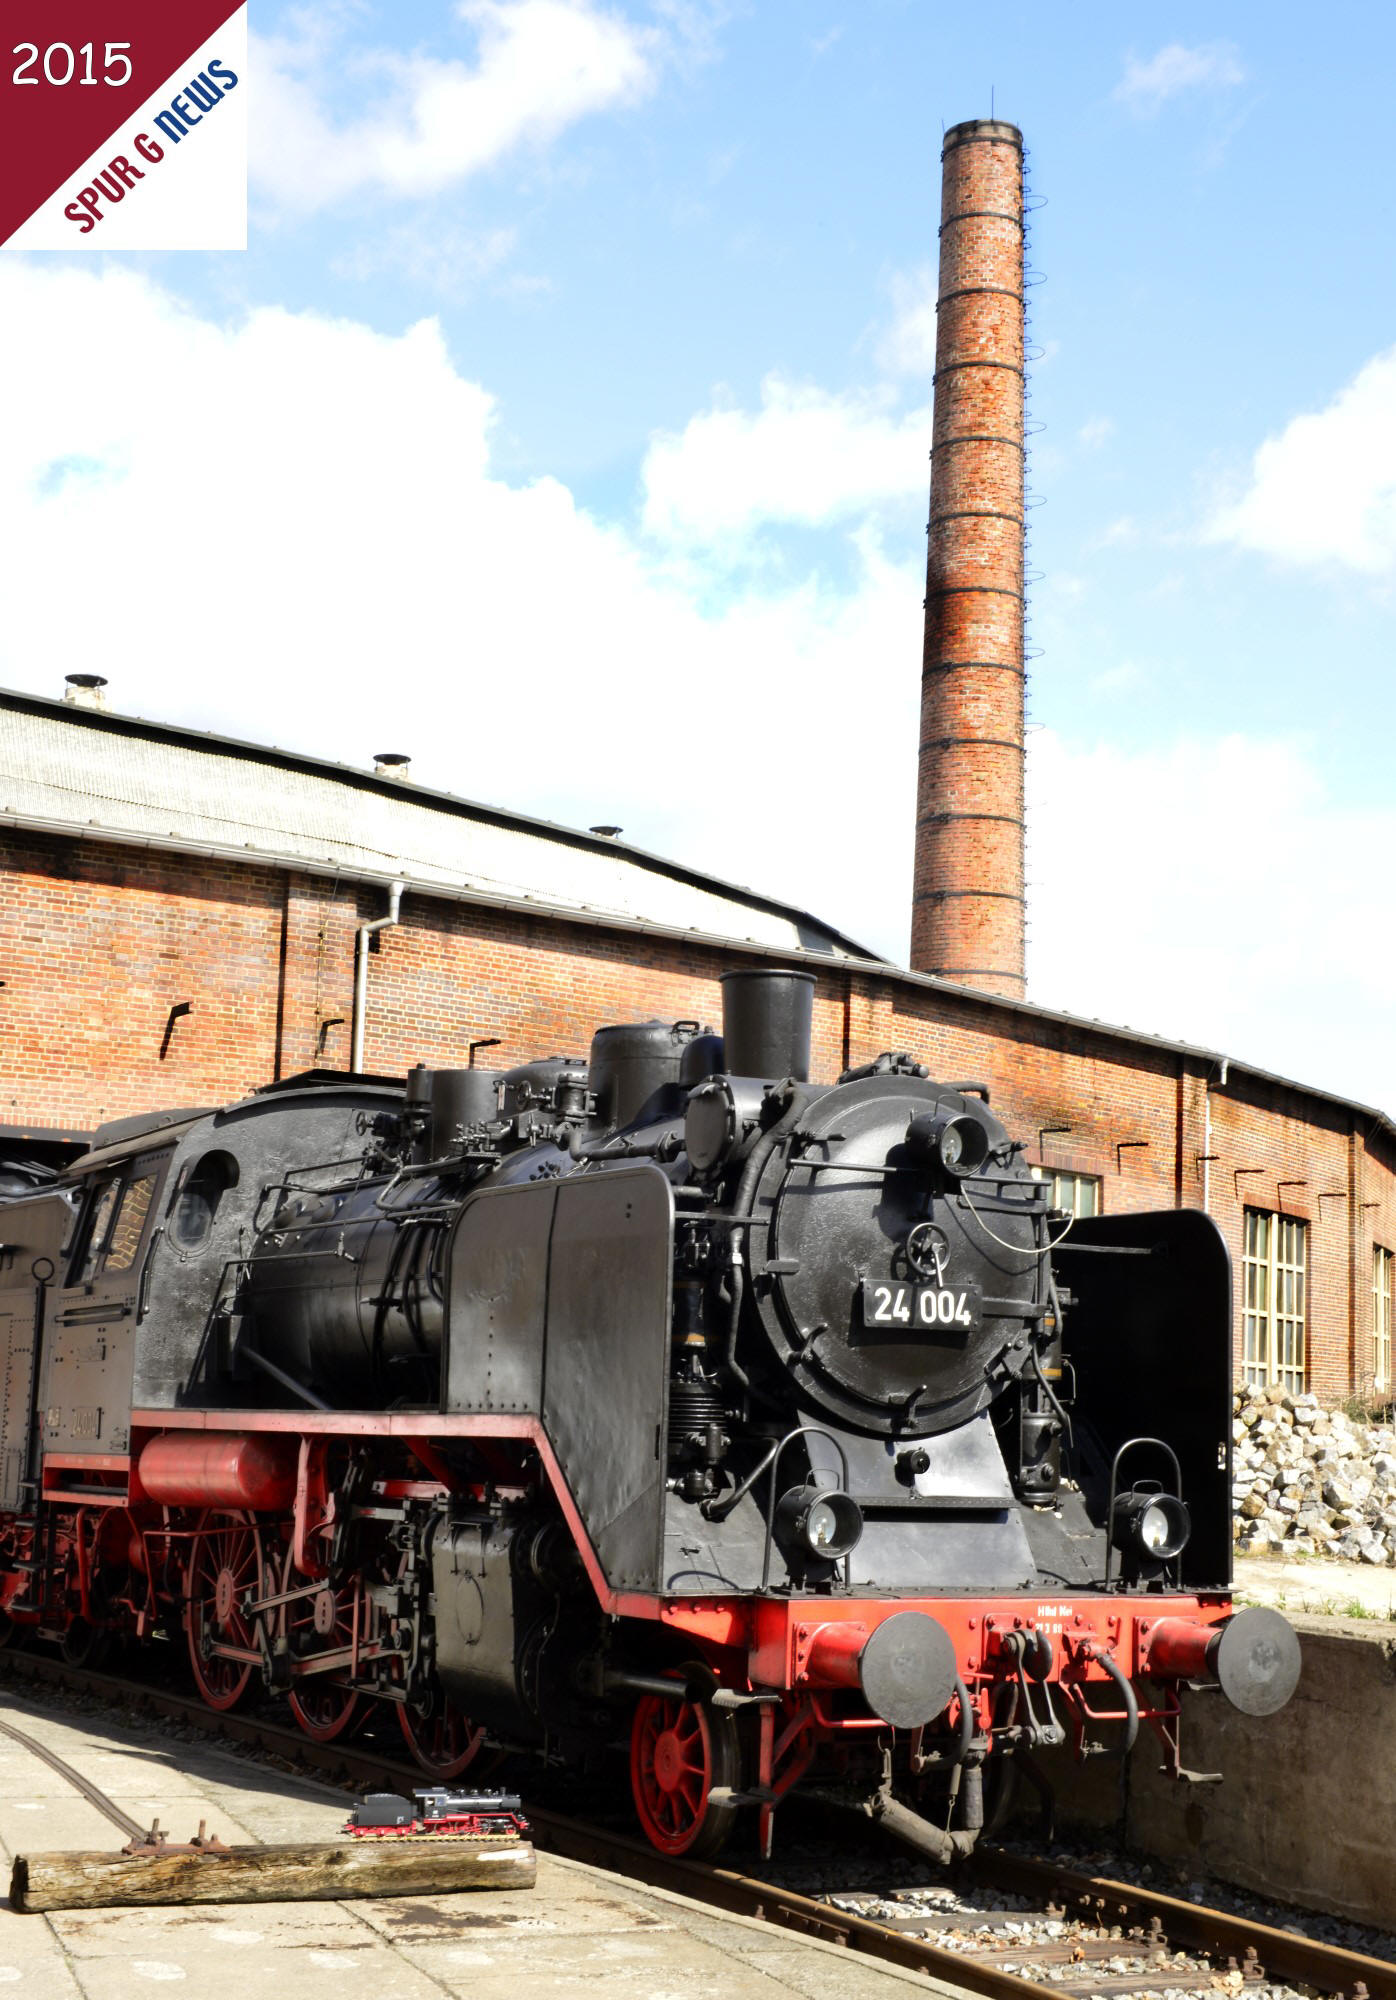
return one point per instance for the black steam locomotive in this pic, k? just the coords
(787, 1431)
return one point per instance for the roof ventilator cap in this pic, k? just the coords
(85, 690)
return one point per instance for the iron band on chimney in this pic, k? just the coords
(978, 291)
(980, 215)
(941, 818)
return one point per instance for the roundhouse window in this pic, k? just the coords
(1274, 1299)
(1383, 1261)
(1078, 1194)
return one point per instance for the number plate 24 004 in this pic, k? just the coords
(951, 1310)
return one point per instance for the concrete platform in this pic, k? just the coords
(1317, 1586)
(579, 1932)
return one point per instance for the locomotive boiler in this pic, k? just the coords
(783, 1433)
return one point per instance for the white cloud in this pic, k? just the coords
(1095, 432)
(805, 458)
(539, 67)
(288, 528)
(1146, 85)
(908, 347)
(1189, 890)
(1324, 491)
(319, 552)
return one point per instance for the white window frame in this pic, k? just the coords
(1274, 1300)
(1383, 1283)
(1068, 1190)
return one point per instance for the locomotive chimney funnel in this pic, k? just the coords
(967, 910)
(766, 1017)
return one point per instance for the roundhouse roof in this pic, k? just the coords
(88, 772)
(91, 773)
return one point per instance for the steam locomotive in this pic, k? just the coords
(787, 1433)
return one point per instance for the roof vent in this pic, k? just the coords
(391, 764)
(606, 832)
(85, 690)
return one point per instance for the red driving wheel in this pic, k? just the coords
(680, 1752)
(322, 1705)
(225, 1567)
(441, 1739)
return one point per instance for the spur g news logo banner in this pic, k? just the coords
(123, 125)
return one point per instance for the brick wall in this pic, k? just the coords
(98, 942)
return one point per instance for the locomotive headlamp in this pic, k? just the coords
(1150, 1524)
(824, 1525)
(958, 1145)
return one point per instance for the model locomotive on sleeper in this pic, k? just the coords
(784, 1434)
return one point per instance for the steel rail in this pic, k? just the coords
(107, 1807)
(1222, 1933)
(1216, 1934)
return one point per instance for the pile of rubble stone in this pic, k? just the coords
(1310, 1481)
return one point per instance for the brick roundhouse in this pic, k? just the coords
(182, 917)
(146, 870)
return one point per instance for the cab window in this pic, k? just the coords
(194, 1205)
(119, 1207)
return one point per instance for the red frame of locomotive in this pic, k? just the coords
(794, 1657)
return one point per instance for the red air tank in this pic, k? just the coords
(214, 1469)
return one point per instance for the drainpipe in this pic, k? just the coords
(361, 938)
(1207, 1132)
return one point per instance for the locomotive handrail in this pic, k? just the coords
(438, 1168)
(743, 1205)
(289, 1184)
(93, 1315)
(287, 1381)
(801, 1430)
(1042, 1250)
(143, 1288)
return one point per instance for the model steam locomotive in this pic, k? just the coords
(785, 1431)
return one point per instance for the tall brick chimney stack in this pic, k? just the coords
(967, 914)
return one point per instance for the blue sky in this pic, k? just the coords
(566, 425)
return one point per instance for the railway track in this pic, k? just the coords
(1066, 1932)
